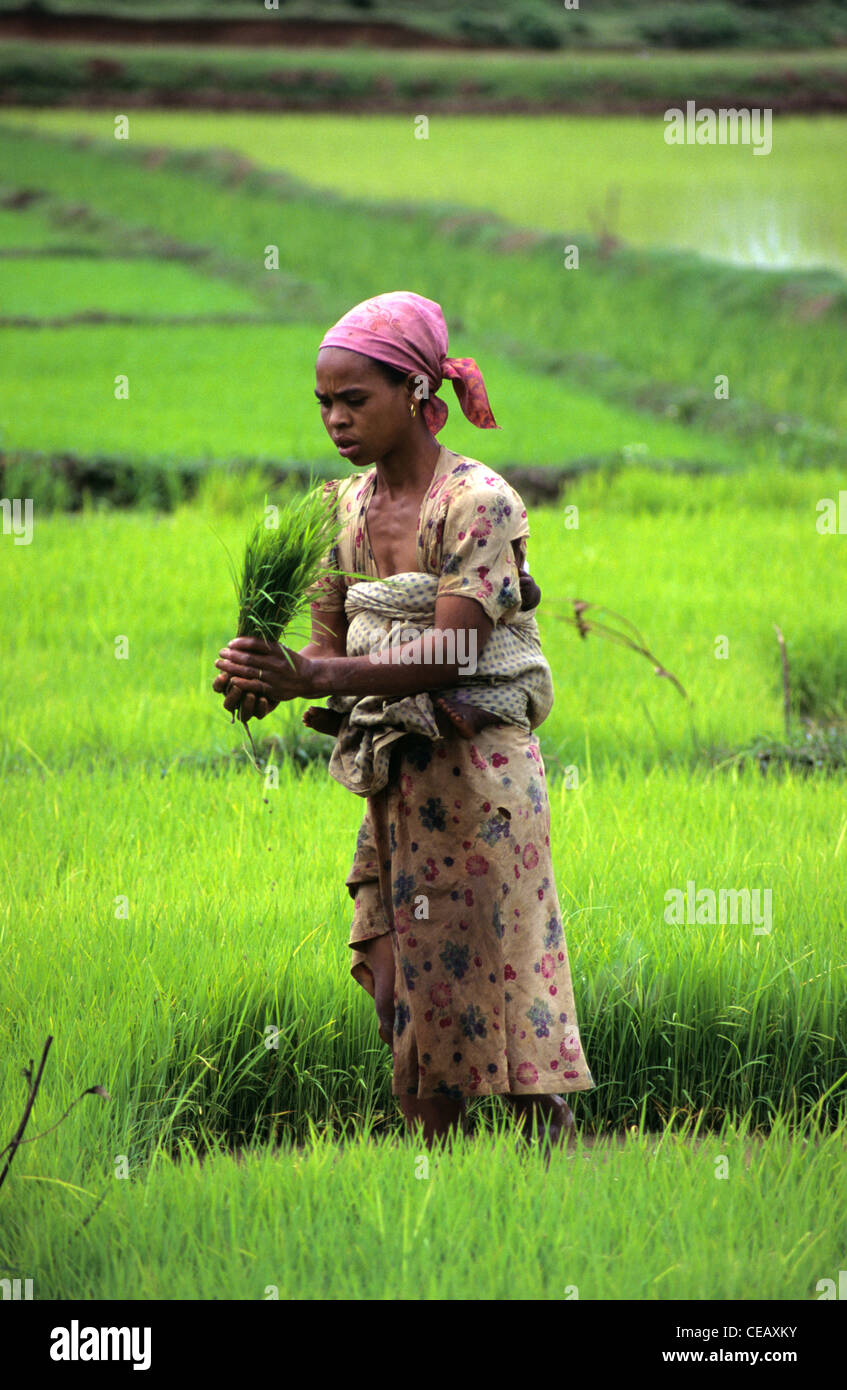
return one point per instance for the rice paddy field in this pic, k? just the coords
(553, 172)
(177, 919)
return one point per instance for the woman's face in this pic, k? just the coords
(360, 407)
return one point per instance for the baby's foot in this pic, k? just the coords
(325, 721)
(468, 719)
(530, 592)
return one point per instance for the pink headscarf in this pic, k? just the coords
(408, 332)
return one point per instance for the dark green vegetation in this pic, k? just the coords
(537, 24)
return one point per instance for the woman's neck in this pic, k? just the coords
(409, 470)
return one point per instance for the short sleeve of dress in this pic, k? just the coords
(478, 553)
(330, 589)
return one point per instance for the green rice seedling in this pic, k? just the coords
(286, 552)
(283, 558)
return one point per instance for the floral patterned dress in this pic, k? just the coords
(453, 855)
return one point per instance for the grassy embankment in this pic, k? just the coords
(115, 76)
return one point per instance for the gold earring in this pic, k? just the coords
(412, 408)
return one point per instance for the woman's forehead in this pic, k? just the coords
(342, 366)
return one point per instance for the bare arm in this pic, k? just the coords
(329, 633)
(461, 628)
(321, 668)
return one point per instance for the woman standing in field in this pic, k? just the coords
(457, 931)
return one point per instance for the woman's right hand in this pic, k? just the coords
(249, 706)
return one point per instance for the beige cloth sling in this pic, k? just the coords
(511, 678)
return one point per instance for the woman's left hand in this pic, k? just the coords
(285, 674)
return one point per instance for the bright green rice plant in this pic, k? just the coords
(286, 552)
(283, 558)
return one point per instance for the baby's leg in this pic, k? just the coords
(468, 719)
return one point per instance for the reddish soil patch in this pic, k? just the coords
(242, 32)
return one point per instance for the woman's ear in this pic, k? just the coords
(418, 388)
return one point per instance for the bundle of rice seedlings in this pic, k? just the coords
(282, 560)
